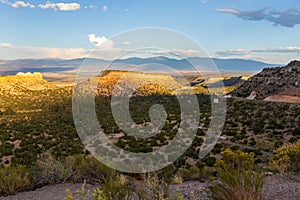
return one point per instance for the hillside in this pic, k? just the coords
(24, 81)
(28, 91)
(273, 84)
(38, 118)
(146, 83)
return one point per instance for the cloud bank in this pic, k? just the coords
(22, 4)
(242, 52)
(60, 6)
(287, 18)
(18, 4)
(4, 45)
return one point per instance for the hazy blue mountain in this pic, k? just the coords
(60, 65)
(185, 64)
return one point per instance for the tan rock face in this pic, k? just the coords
(272, 81)
(24, 81)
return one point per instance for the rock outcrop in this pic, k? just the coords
(23, 82)
(283, 81)
(28, 74)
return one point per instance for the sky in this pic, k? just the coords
(264, 30)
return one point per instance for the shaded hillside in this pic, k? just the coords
(278, 84)
(233, 81)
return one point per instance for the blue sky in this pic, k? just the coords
(267, 30)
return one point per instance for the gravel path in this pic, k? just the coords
(277, 187)
(51, 192)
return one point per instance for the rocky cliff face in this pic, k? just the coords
(272, 81)
(24, 82)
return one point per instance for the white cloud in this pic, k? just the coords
(243, 52)
(229, 10)
(22, 4)
(92, 6)
(107, 51)
(4, 45)
(18, 4)
(104, 8)
(60, 6)
(126, 43)
(97, 40)
(101, 42)
(176, 52)
(272, 55)
(48, 52)
(293, 49)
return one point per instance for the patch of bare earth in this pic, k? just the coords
(276, 187)
(283, 98)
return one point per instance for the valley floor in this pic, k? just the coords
(277, 187)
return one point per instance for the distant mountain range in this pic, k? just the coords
(60, 65)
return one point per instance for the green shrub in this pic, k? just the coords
(157, 188)
(115, 188)
(177, 179)
(76, 168)
(189, 174)
(209, 161)
(239, 178)
(14, 179)
(112, 188)
(87, 168)
(287, 158)
(50, 170)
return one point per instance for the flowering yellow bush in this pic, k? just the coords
(287, 158)
(238, 176)
(236, 159)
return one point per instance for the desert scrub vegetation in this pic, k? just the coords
(49, 169)
(14, 179)
(238, 177)
(77, 168)
(287, 158)
(26, 135)
(117, 188)
(112, 188)
(87, 168)
(188, 174)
